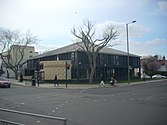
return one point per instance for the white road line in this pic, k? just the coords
(162, 97)
(139, 98)
(82, 90)
(53, 110)
(38, 121)
(132, 99)
(148, 98)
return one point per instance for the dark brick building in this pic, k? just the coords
(109, 62)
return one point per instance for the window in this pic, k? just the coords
(65, 56)
(116, 60)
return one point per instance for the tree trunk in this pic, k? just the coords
(91, 74)
(15, 72)
(92, 59)
(16, 75)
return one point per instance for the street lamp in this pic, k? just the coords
(128, 50)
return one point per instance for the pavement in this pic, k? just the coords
(79, 86)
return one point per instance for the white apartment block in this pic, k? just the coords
(15, 56)
(29, 53)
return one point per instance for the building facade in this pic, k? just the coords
(15, 57)
(109, 62)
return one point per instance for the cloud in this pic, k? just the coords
(45, 18)
(2, 29)
(161, 8)
(151, 47)
(135, 30)
(41, 48)
(162, 5)
(52, 20)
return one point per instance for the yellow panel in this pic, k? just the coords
(52, 68)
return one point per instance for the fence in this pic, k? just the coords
(64, 120)
(5, 122)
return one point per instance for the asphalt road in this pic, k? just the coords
(142, 104)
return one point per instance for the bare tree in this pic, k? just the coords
(92, 46)
(8, 39)
(1, 72)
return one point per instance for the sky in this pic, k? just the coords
(53, 20)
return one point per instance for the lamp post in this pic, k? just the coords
(128, 50)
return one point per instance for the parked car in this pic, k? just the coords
(158, 76)
(145, 76)
(4, 83)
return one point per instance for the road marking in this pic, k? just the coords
(132, 99)
(162, 97)
(53, 110)
(18, 105)
(148, 98)
(82, 90)
(38, 121)
(77, 101)
(139, 98)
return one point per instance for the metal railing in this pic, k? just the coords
(6, 122)
(64, 120)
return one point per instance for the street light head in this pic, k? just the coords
(134, 21)
(131, 22)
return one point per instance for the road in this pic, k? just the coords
(142, 104)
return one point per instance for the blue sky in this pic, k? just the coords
(52, 21)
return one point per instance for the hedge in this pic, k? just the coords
(151, 73)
